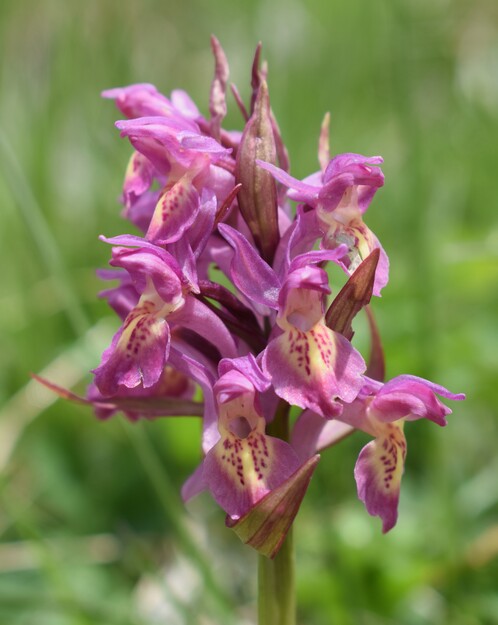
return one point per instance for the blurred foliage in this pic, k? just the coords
(92, 529)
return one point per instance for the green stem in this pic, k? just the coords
(276, 583)
(276, 596)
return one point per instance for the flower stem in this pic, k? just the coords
(276, 584)
(276, 596)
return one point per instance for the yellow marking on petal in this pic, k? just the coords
(310, 352)
(247, 460)
(143, 325)
(388, 457)
(136, 166)
(139, 329)
(348, 227)
(172, 202)
(364, 238)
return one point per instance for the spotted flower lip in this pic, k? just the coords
(175, 211)
(381, 411)
(140, 349)
(310, 365)
(138, 352)
(245, 464)
(257, 479)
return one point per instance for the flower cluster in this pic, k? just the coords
(225, 294)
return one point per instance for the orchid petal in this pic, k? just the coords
(175, 212)
(202, 228)
(139, 210)
(138, 177)
(249, 272)
(171, 142)
(198, 317)
(313, 369)
(138, 352)
(300, 238)
(378, 473)
(312, 433)
(412, 398)
(317, 256)
(151, 265)
(301, 192)
(201, 143)
(248, 366)
(204, 375)
(301, 298)
(345, 227)
(241, 471)
(123, 298)
(184, 104)
(182, 252)
(194, 485)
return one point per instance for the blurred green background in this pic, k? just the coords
(92, 529)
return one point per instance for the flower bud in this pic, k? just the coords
(258, 195)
